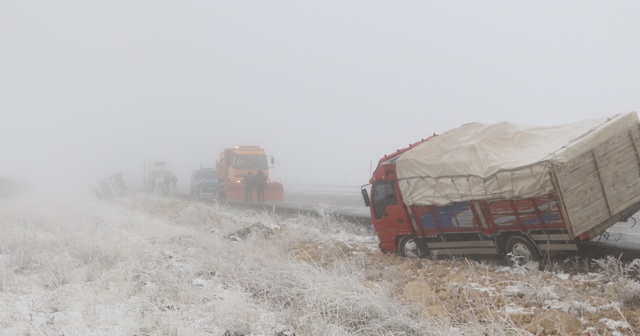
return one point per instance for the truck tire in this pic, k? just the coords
(410, 248)
(521, 251)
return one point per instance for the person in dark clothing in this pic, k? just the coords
(249, 182)
(261, 183)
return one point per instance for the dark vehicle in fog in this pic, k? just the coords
(204, 182)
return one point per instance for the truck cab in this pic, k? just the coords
(389, 215)
(390, 220)
(236, 163)
(204, 181)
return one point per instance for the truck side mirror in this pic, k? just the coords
(273, 161)
(365, 196)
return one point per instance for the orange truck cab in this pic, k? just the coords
(235, 163)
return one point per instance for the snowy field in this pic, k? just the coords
(145, 265)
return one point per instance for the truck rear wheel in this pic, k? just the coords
(521, 251)
(409, 247)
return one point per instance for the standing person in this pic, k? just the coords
(261, 183)
(249, 182)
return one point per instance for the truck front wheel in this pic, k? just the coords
(409, 247)
(521, 251)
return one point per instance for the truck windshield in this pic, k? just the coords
(251, 162)
(383, 194)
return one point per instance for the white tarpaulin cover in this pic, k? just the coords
(505, 160)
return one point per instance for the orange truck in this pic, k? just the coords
(236, 163)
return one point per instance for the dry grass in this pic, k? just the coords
(163, 266)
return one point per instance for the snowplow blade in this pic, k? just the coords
(273, 192)
(235, 191)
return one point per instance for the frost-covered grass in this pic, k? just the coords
(165, 266)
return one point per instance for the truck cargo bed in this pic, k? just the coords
(601, 187)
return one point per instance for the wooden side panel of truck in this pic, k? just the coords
(601, 187)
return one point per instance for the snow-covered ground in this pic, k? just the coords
(145, 265)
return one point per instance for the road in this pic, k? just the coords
(349, 207)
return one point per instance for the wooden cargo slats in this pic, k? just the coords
(634, 141)
(622, 163)
(576, 171)
(602, 179)
(598, 185)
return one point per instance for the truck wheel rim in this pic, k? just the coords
(411, 249)
(521, 250)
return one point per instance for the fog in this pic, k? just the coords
(89, 89)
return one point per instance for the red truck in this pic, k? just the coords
(507, 188)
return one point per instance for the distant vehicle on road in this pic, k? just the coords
(156, 175)
(204, 182)
(110, 187)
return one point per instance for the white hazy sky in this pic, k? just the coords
(93, 88)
